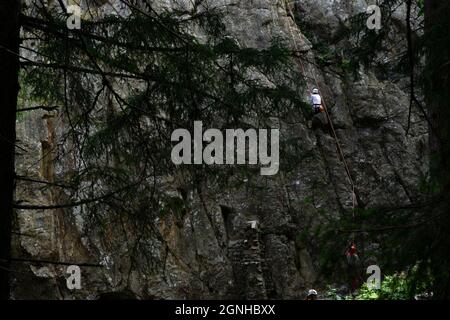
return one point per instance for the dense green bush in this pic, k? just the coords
(394, 287)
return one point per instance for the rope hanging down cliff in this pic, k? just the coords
(338, 146)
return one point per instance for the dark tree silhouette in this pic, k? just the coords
(9, 68)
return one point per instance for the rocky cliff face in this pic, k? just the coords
(243, 242)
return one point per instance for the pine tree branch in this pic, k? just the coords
(63, 263)
(76, 203)
(82, 70)
(51, 28)
(45, 108)
(23, 178)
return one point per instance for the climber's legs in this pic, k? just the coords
(318, 108)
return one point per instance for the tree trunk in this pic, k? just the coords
(9, 68)
(437, 80)
(437, 94)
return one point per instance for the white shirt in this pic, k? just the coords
(316, 99)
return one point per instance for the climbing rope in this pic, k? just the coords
(336, 139)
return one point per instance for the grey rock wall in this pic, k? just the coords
(242, 242)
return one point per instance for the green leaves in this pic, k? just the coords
(421, 5)
(398, 286)
(126, 82)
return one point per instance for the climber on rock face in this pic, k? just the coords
(316, 101)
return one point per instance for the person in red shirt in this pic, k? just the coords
(353, 267)
(351, 251)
